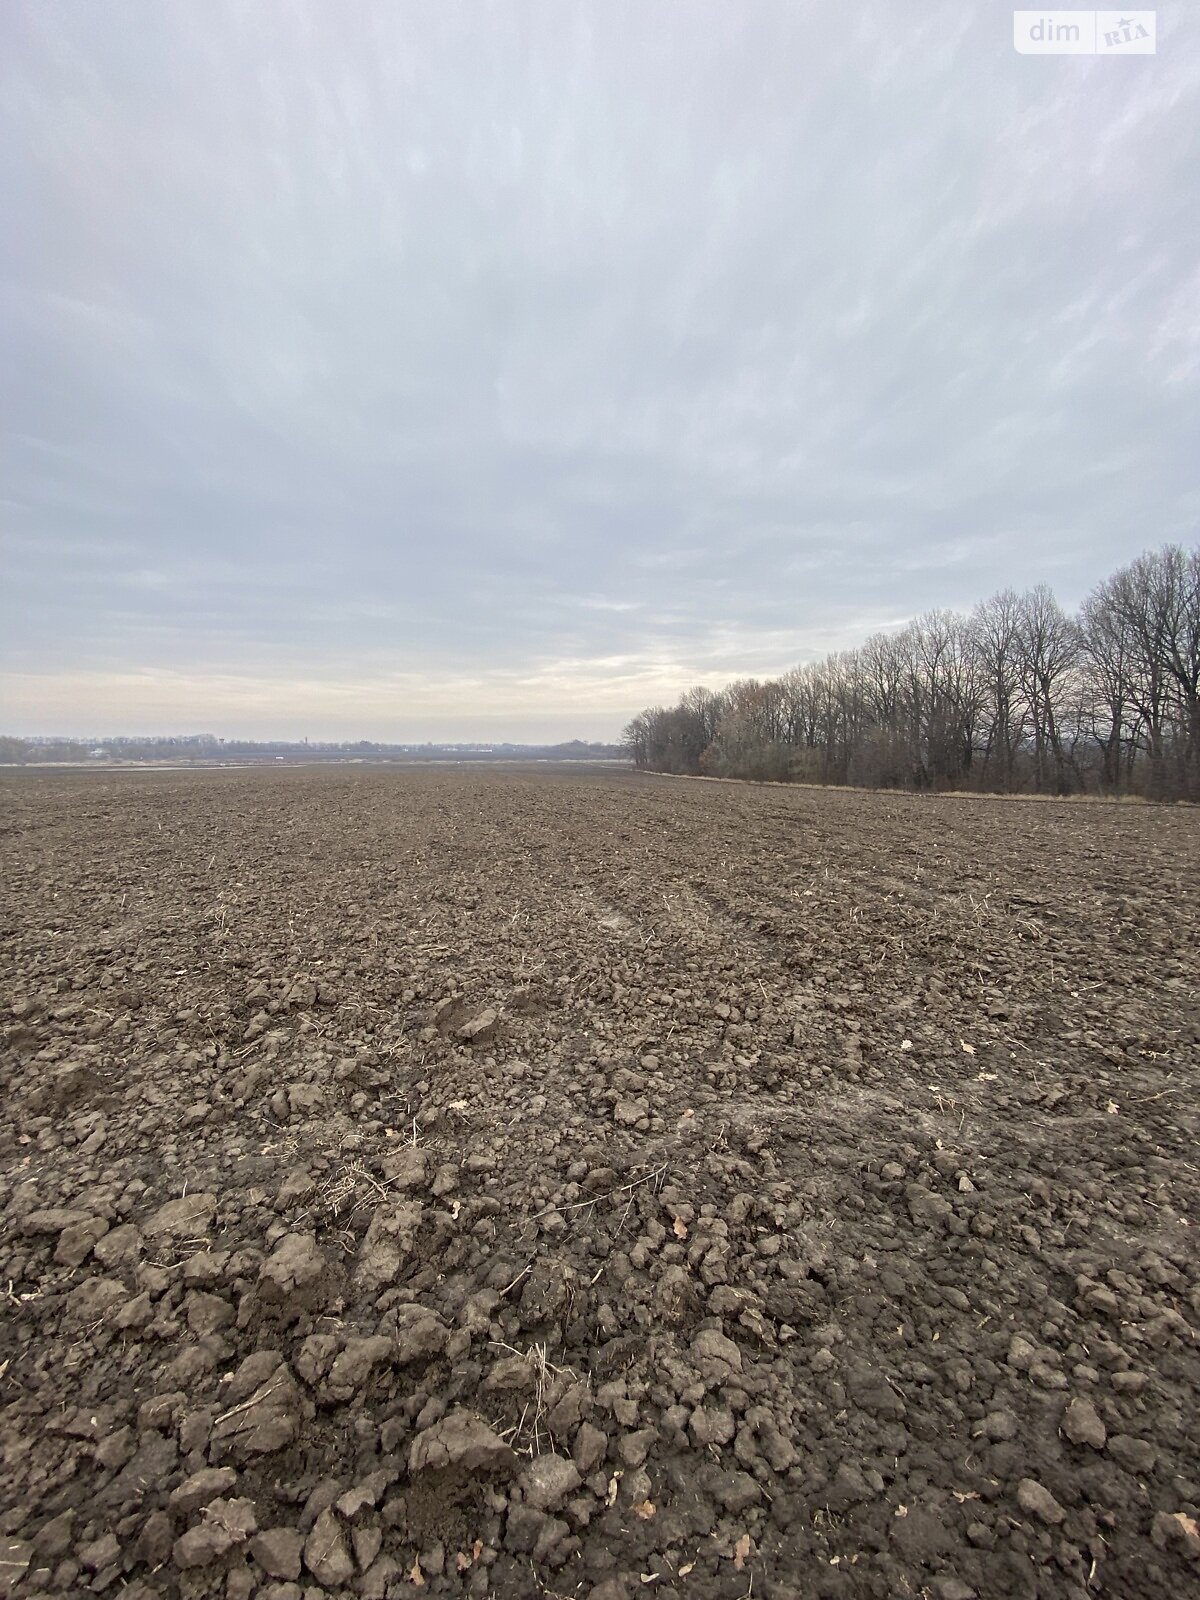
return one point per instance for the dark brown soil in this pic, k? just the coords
(530, 1183)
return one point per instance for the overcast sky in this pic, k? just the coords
(419, 369)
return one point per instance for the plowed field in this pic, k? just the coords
(528, 1182)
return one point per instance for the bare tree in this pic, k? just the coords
(1107, 649)
(996, 636)
(1139, 600)
(1050, 651)
(1177, 585)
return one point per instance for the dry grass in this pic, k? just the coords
(1054, 799)
(348, 1188)
(528, 1434)
(920, 794)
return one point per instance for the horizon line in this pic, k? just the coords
(312, 742)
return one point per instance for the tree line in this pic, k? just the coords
(204, 747)
(1018, 696)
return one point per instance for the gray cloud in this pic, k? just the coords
(417, 368)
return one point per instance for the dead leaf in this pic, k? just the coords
(1112, 1108)
(968, 1048)
(906, 1044)
(477, 1549)
(610, 1499)
(649, 1577)
(415, 1575)
(901, 1511)
(645, 1509)
(1189, 1524)
(462, 1561)
(687, 1567)
(740, 1551)
(963, 1498)
(680, 1228)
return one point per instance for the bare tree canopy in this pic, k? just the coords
(1020, 696)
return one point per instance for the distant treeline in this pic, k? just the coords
(1019, 696)
(206, 748)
